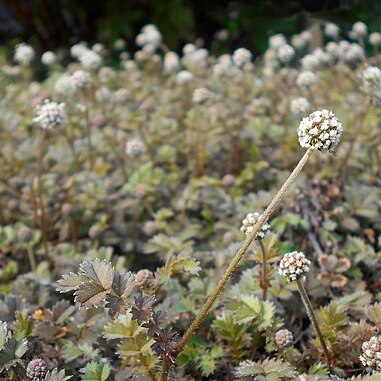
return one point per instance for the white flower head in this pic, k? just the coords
(294, 266)
(90, 59)
(23, 54)
(242, 56)
(250, 221)
(286, 53)
(184, 76)
(82, 80)
(48, 58)
(276, 41)
(375, 38)
(65, 85)
(201, 95)
(360, 29)
(320, 130)
(306, 79)
(50, 115)
(135, 147)
(171, 62)
(331, 30)
(371, 353)
(299, 106)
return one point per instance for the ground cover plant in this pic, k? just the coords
(191, 217)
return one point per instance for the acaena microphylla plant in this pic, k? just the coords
(294, 266)
(321, 131)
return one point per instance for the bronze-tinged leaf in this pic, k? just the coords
(91, 294)
(124, 284)
(70, 282)
(100, 272)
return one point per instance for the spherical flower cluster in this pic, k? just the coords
(184, 76)
(65, 85)
(310, 62)
(135, 147)
(294, 266)
(284, 338)
(90, 59)
(371, 353)
(23, 54)
(299, 106)
(78, 49)
(241, 57)
(250, 221)
(196, 59)
(331, 30)
(286, 53)
(149, 35)
(360, 29)
(82, 80)
(48, 58)
(276, 41)
(320, 130)
(306, 79)
(37, 369)
(201, 95)
(171, 62)
(371, 77)
(375, 38)
(50, 115)
(354, 54)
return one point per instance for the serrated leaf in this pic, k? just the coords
(12, 351)
(56, 375)
(122, 327)
(23, 326)
(100, 272)
(94, 371)
(91, 295)
(3, 334)
(70, 282)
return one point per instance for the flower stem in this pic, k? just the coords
(311, 314)
(241, 252)
(264, 281)
(32, 260)
(88, 134)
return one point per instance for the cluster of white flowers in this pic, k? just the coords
(371, 353)
(283, 338)
(331, 30)
(294, 266)
(299, 106)
(306, 79)
(135, 147)
(201, 95)
(320, 130)
(286, 53)
(82, 80)
(375, 38)
(184, 76)
(277, 40)
(149, 36)
(171, 62)
(353, 54)
(65, 85)
(50, 115)
(359, 29)
(224, 66)
(241, 57)
(23, 54)
(195, 59)
(250, 221)
(48, 58)
(371, 79)
(88, 58)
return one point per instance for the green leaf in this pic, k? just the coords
(56, 375)
(94, 371)
(122, 327)
(3, 334)
(23, 327)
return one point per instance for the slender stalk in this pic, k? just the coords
(264, 280)
(32, 260)
(88, 135)
(41, 206)
(166, 368)
(310, 311)
(241, 252)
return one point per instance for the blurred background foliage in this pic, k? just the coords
(50, 24)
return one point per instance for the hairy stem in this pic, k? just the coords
(241, 252)
(166, 368)
(311, 314)
(32, 260)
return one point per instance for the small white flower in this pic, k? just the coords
(90, 59)
(171, 62)
(241, 56)
(82, 80)
(286, 53)
(375, 38)
(331, 30)
(201, 95)
(184, 76)
(320, 130)
(250, 221)
(23, 54)
(299, 106)
(65, 85)
(276, 41)
(371, 353)
(48, 58)
(360, 28)
(50, 115)
(306, 79)
(135, 147)
(294, 266)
